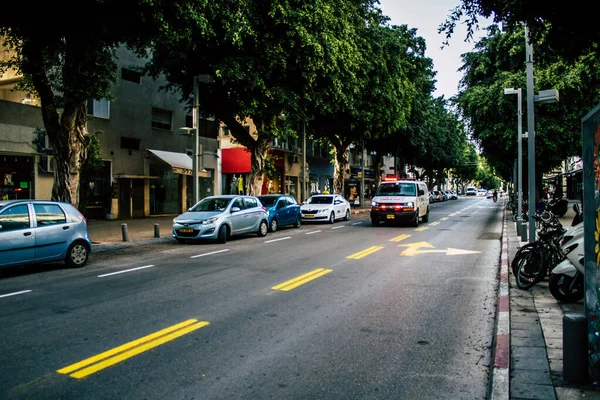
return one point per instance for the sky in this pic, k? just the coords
(426, 16)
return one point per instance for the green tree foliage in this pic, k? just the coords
(491, 116)
(467, 167)
(569, 29)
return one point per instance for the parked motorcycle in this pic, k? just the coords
(566, 283)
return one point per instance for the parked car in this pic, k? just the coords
(452, 195)
(283, 210)
(326, 207)
(471, 191)
(36, 231)
(220, 217)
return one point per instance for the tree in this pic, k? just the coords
(65, 62)
(267, 58)
(467, 167)
(571, 31)
(497, 63)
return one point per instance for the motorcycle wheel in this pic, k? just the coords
(530, 269)
(566, 289)
(514, 265)
(560, 208)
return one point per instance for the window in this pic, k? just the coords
(130, 143)
(238, 203)
(14, 218)
(49, 214)
(99, 108)
(131, 76)
(250, 202)
(161, 119)
(225, 131)
(291, 201)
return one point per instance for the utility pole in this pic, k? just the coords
(530, 136)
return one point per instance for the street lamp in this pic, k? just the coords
(522, 232)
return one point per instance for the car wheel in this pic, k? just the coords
(415, 223)
(332, 218)
(223, 233)
(426, 216)
(273, 225)
(347, 217)
(298, 222)
(262, 229)
(77, 255)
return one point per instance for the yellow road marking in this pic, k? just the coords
(434, 223)
(365, 252)
(301, 280)
(421, 229)
(399, 238)
(444, 219)
(452, 215)
(131, 349)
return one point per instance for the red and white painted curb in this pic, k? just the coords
(501, 368)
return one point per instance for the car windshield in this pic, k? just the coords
(216, 204)
(396, 189)
(320, 200)
(267, 201)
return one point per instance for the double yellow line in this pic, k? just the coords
(128, 350)
(301, 280)
(399, 238)
(365, 252)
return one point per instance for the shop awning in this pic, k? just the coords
(134, 176)
(236, 161)
(180, 162)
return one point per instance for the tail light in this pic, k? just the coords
(264, 208)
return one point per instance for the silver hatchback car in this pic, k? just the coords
(36, 231)
(219, 217)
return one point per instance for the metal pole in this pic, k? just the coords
(520, 152)
(362, 177)
(195, 126)
(530, 135)
(304, 195)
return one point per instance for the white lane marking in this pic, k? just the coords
(208, 254)
(357, 223)
(15, 293)
(310, 233)
(277, 240)
(338, 227)
(127, 270)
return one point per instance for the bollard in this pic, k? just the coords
(124, 232)
(575, 354)
(156, 230)
(522, 230)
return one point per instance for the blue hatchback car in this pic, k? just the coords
(283, 210)
(36, 231)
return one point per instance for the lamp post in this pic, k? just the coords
(518, 92)
(304, 195)
(530, 135)
(198, 150)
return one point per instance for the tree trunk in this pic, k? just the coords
(378, 160)
(341, 165)
(255, 179)
(70, 143)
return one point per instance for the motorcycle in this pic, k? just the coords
(566, 283)
(495, 197)
(558, 207)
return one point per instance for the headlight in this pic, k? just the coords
(373, 204)
(410, 204)
(175, 220)
(209, 221)
(323, 211)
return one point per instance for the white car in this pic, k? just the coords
(325, 207)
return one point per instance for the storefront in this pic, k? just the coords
(235, 167)
(17, 177)
(95, 191)
(321, 177)
(353, 184)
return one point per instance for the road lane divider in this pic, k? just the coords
(311, 232)
(128, 350)
(399, 238)
(421, 229)
(278, 239)
(365, 252)
(434, 223)
(357, 223)
(301, 280)
(338, 227)
(14, 293)
(125, 270)
(444, 219)
(211, 253)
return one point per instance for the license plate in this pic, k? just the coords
(186, 230)
(391, 216)
(309, 216)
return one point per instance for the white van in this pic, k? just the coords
(400, 201)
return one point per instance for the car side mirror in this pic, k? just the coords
(235, 209)
(421, 192)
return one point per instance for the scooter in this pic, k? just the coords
(566, 283)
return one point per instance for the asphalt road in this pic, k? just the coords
(342, 311)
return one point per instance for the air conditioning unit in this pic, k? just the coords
(50, 164)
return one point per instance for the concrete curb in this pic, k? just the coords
(98, 248)
(501, 369)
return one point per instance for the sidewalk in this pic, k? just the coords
(107, 235)
(536, 336)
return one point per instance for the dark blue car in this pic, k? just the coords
(283, 210)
